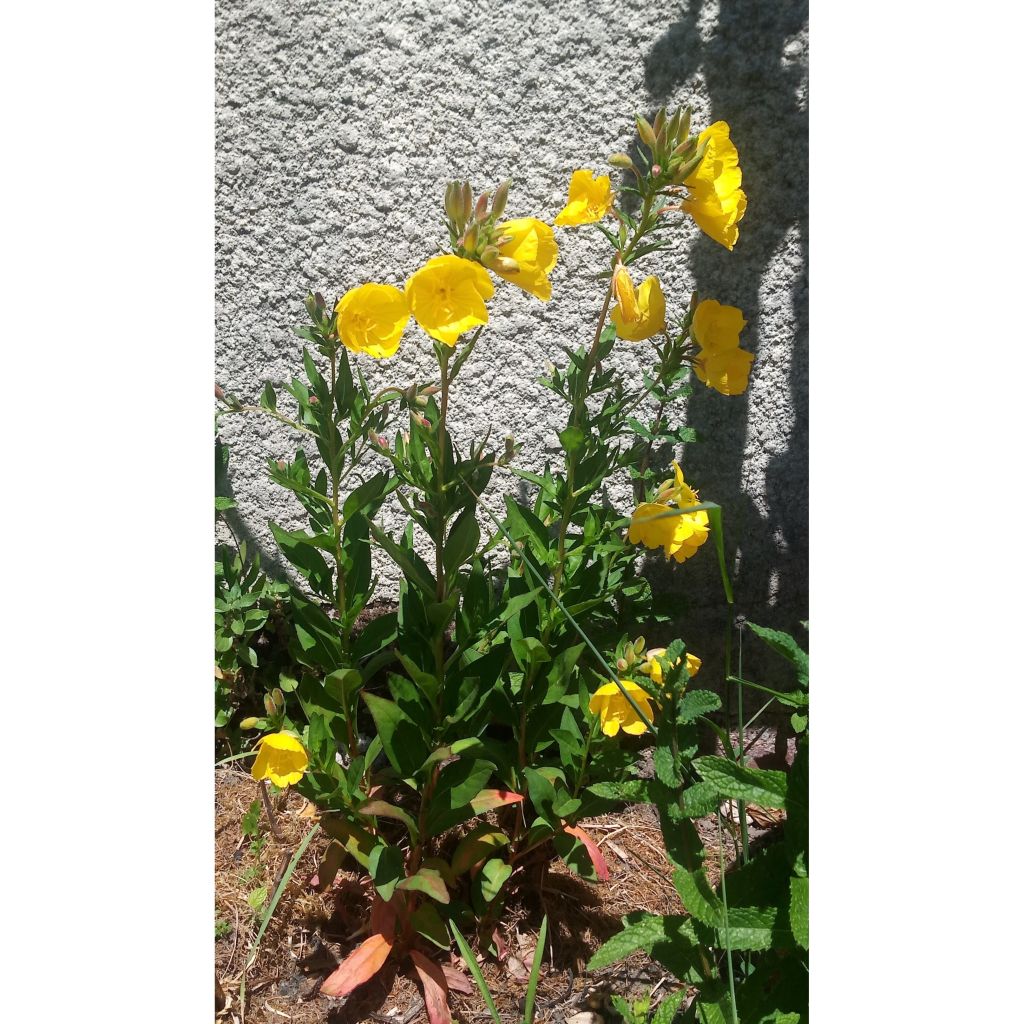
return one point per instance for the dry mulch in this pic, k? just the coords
(311, 933)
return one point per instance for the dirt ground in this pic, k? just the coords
(310, 933)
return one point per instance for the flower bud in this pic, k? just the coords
(468, 240)
(621, 664)
(480, 212)
(621, 160)
(313, 400)
(451, 201)
(638, 645)
(465, 202)
(655, 170)
(630, 656)
(281, 466)
(268, 703)
(672, 131)
(645, 131)
(248, 723)
(419, 420)
(500, 198)
(659, 121)
(510, 447)
(218, 392)
(489, 255)
(430, 389)
(278, 697)
(683, 131)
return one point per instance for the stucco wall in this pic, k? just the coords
(338, 124)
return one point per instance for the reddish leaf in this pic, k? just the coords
(457, 981)
(435, 988)
(596, 856)
(426, 880)
(489, 799)
(382, 918)
(359, 966)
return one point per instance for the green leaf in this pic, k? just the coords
(755, 785)
(699, 899)
(475, 846)
(462, 541)
(268, 399)
(474, 968)
(386, 867)
(696, 703)
(670, 940)
(493, 875)
(799, 908)
(356, 841)
(257, 898)
(571, 438)
(298, 547)
(222, 504)
(427, 881)
(400, 736)
(426, 921)
(784, 645)
(414, 568)
(382, 809)
(669, 1007)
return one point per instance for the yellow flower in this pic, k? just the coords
(638, 315)
(693, 664)
(721, 364)
(590, 199)
(716, 201)
(371, 319)
(616, 712)
(447, 295)
(531, 244)
(657, 524)
(282, 759)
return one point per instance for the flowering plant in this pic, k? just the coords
(490, 688)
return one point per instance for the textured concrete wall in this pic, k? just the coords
(338, 124)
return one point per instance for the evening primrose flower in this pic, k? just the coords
(657, 524)
(371, 319)
(616, 712)
(716, 201)
(282, 759)
(652, 668)
(721, 364)
(527, 245)
(447, 297)
(590, 199)
(639, 314)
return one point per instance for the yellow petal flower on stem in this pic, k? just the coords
(282, 759)
(715, 326)
(693, 664)
(371, 319)
(616, 712)
(531, 243)
(590, 199)
(721, 364)
(639, 314)
(659, 524)
(716, 201)
(447, 297)
(727, 372)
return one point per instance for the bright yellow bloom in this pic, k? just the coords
(371, 319)
(590, 199)
(638, 315)
(722, 364)
(657, 524)
(716, 201)
(447, 297)
(282, 759)
(616, 712)
(531, 243)
(693, 664)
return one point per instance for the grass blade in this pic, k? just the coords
(538, 959)
(474, 969)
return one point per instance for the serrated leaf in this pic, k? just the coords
(783, 644)
(799, 910)
(696, 703)
(755, 785)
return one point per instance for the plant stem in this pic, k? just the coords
(441, 593)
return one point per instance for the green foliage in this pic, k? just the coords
(745, 945)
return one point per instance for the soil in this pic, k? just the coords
(310, 933)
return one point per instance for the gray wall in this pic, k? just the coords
(338, 124)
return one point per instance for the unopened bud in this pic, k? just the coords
(419, 420)
(622, 664)
(451, 201)
(510, 447)
(313, 400)
(281, 466)
(430, 389)
(645, 131)
(248, 723)
(659, 121)
(268, 703)
(672, 131)
(465, 202)
(480, 212)
(500, 199)
(311, 306)
(630, 656)
(468, 240)
(638, 645)
(218, 392)
(489, 255)
(621, 160)
(278, 697)
(655, 170)
(376, 439)
(683, 130)
(422, 401)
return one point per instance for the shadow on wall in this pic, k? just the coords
(753, 69)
